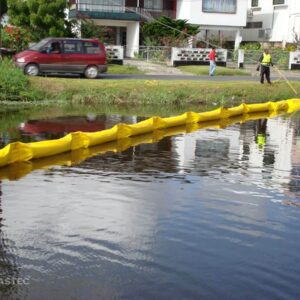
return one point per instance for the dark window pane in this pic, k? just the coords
(254, 25)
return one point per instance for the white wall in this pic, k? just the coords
(192, 11)
(281, 19)
(133, 32)
(132, 39)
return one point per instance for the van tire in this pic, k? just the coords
(32, 70)
(91, 72)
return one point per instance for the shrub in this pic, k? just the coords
(16, 38)
(14, 85)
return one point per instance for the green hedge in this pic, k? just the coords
(14, 85)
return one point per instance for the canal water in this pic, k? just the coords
(213, 214)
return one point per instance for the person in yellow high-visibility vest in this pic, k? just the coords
(265, 62)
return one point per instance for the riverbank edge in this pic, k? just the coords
(159, 92)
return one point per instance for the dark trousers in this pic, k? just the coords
(264, 71)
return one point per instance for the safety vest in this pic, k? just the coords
(266, 60)
(261, 140)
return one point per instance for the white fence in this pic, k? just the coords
(196, 56)
(115, 54)
(294, 62)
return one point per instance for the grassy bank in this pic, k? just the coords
(14, 85)
(132, 93)
(169, 92)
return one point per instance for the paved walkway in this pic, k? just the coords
(155, 68)
(161, 70)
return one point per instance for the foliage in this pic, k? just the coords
(251, 46)
(15, 86)
(16, 38)
(168, 32)
(90, 30)
(12, 81)
(163, 93)
(154, 53)
(43, 17)
(291, 47)
(280, 57)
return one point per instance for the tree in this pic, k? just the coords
(43, 17)
(90, 30)
(168, 32)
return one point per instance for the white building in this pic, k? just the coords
(228, 20)
(216, 18)
(273, 21)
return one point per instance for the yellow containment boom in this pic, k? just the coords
(133, 134)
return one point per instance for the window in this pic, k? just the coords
(40, 45)
(219, 6)
(254, 25)
(153, 4)
(72, 47)
(275, 2)
(91, 48)
(102, 5)
(254, 3)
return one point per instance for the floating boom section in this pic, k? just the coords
(23, 152)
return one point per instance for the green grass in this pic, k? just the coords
(14, 85)
(161, 93)
(220, 71)
(137, 94)
(123, 69)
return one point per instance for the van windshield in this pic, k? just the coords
(38, 46)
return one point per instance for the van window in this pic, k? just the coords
(91, 48)
(72, 47)
(40, 45)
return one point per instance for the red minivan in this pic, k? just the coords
(64, 55)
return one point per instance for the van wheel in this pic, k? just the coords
(91, 72)
(32, 70)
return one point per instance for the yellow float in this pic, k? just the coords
(21, 158)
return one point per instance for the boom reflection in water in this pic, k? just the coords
(20, 169)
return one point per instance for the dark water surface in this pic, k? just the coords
(214, 214)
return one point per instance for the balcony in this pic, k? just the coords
(115, 12)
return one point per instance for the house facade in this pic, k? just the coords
(217, 18)
(276, 21)
(123, 17)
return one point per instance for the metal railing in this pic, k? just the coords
(143, 13)
(154, 54)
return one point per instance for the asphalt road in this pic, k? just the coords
(189, 77)
(174, 77)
